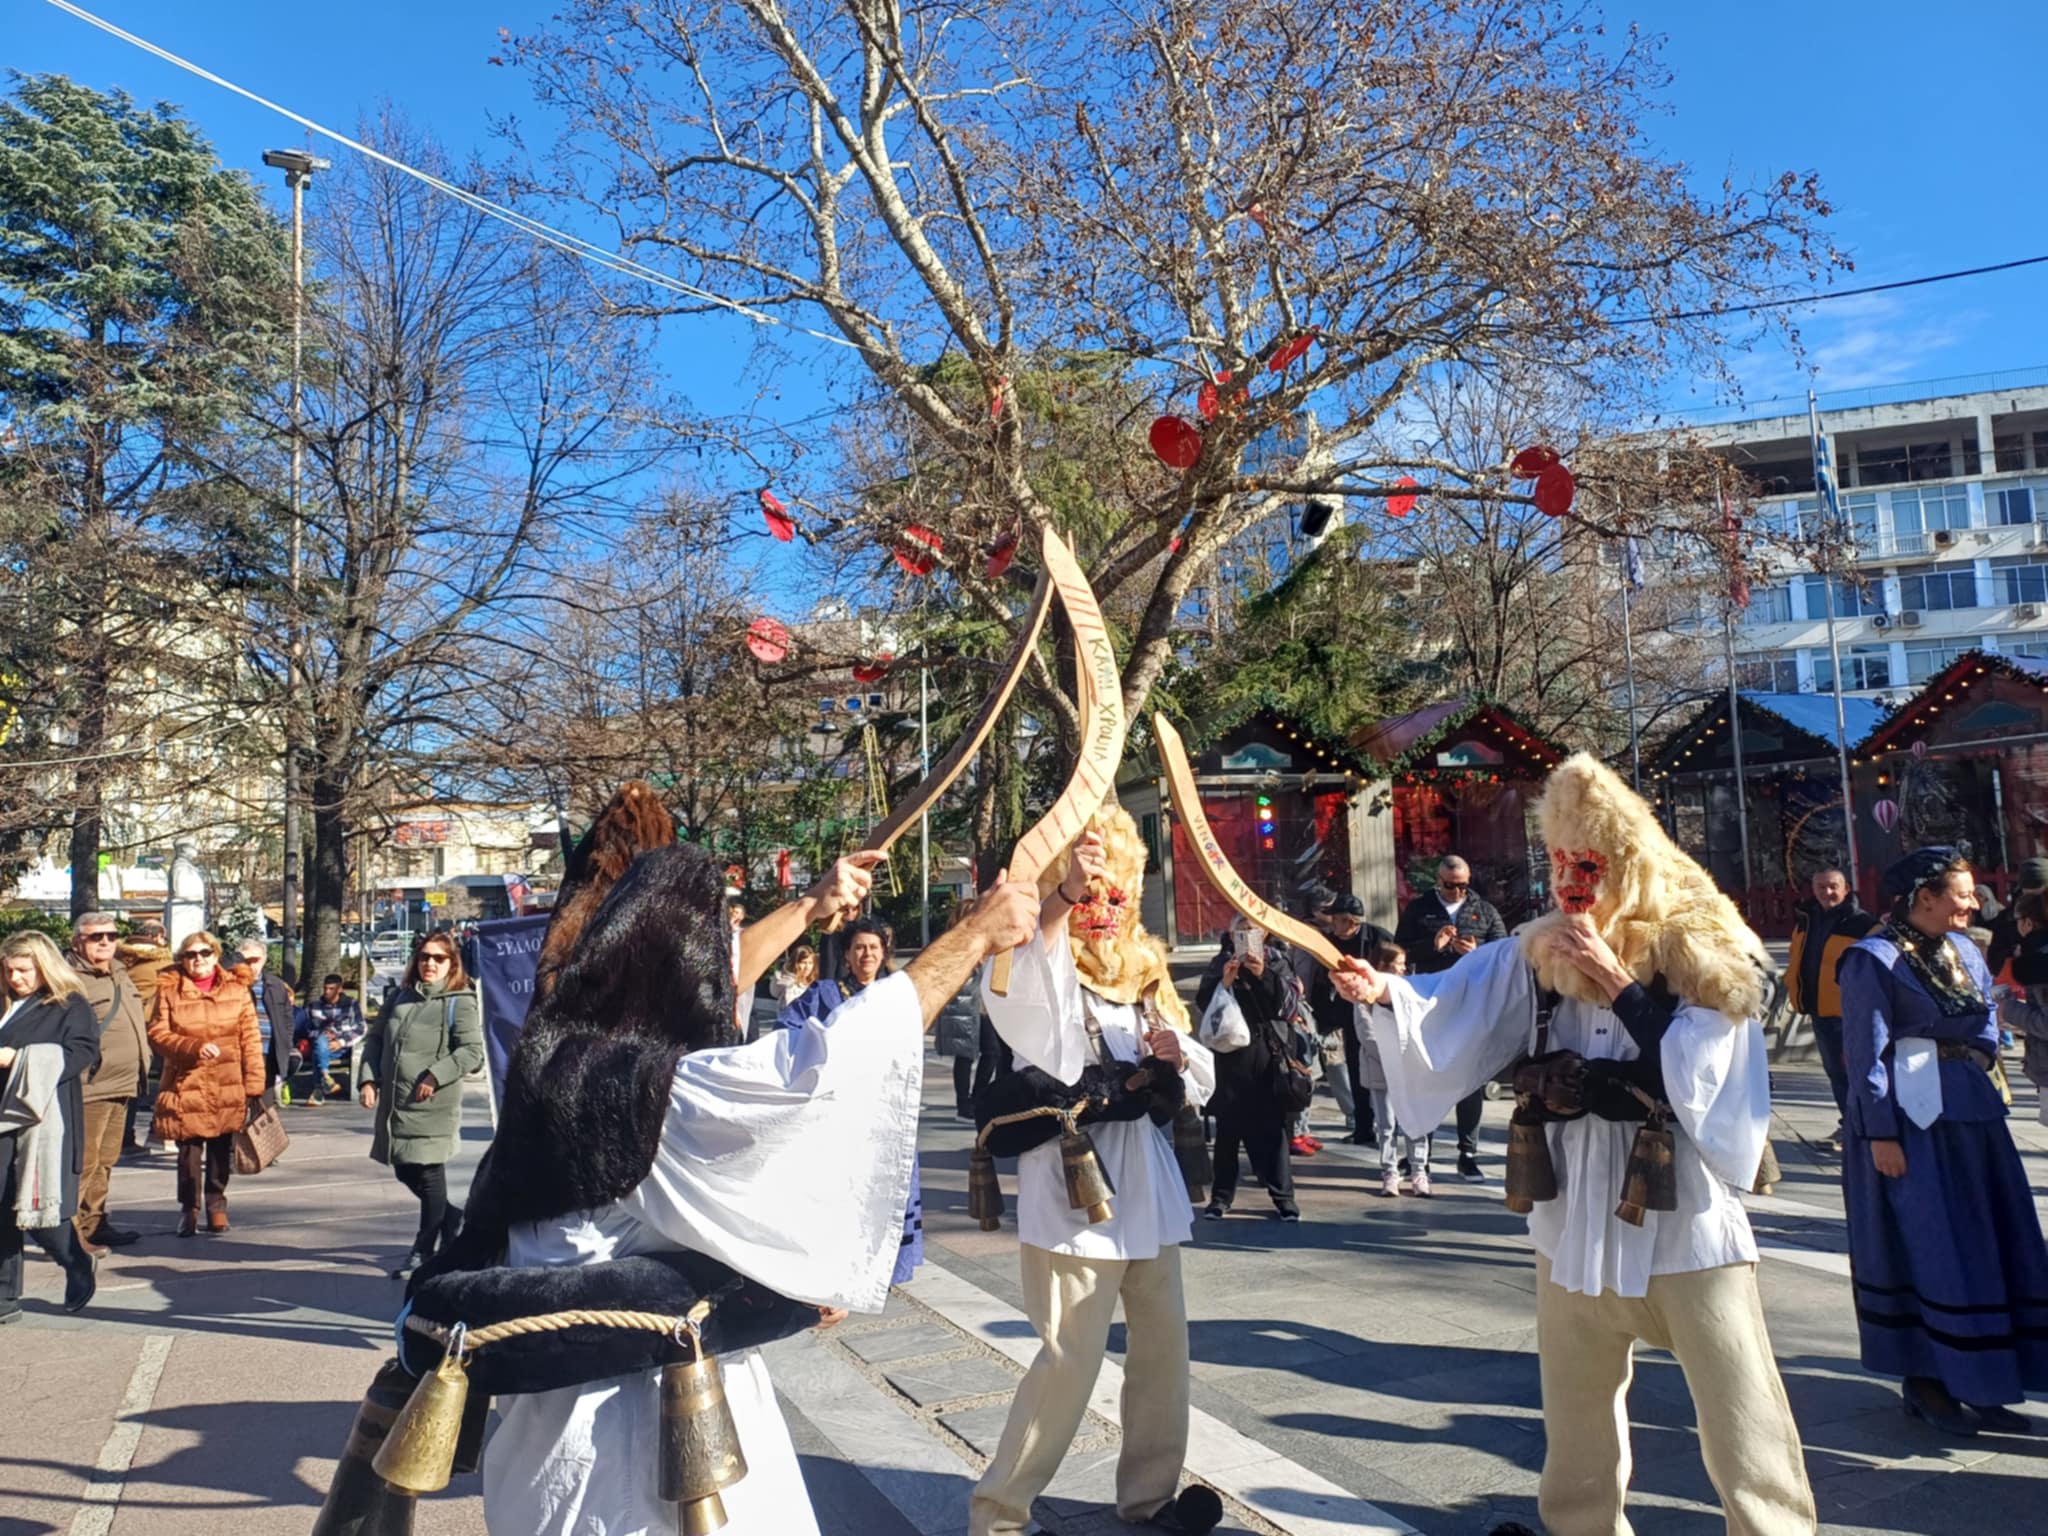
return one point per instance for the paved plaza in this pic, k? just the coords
(1370, 1370)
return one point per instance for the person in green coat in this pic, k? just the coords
(410, 1071)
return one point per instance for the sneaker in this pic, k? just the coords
(1468, 1167)
(1390, 1185)
(1289, 1214)
(411, 1262)
(1314, 1145)
(1216, 1211)
(1421, 1185)
(1303, 1147)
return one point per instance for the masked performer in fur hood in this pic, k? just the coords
(1092, 1019)
(1636, 1007)
(646, 1162)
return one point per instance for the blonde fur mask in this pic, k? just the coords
(1116, 957)
(1659, 912)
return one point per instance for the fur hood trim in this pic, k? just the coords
(1657, 909)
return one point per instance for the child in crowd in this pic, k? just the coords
(1391, 959)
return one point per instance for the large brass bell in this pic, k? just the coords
(1088, 1186)
(700, 1444)
(984, 1193)
(1651, 1182)
(1531, 1175)
(359, 1502)
(1191, 1151)
(418, 1454)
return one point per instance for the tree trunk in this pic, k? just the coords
(327, 882)
(90, 790)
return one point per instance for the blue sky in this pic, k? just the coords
(1924, 124)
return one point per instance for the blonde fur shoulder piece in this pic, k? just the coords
(1658, 910)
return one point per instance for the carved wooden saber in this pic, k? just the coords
(1099, 691)
(1230, 885)
(954, 763)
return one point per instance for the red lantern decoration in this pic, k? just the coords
(1886, 814)
(1531, 462)
(780, 523)
(768, 640)
(1177, 443)
(1000, 554)
(1556, 490)
(872, 671)
(1401, 506)
(1292, 351)
(783, 877)
(919, 562)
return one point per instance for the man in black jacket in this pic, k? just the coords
(274, 1013)
(1343, 918)
(2005, 929)
(1437, 929)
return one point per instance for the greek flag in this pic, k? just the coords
(1632, 565)
(1824, 472)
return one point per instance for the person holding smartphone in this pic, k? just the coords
(1439, 928)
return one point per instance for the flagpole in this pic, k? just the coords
(1736, 579)
(1824, 488)
(1628, 659)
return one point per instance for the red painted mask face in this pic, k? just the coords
(1576, 873)
(1101, 916)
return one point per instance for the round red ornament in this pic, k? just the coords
(1556, 490)
(1177, 442)
(780, 523)
(1401, 506)
(1531, 462)
(1000, 554)
(768, 640)
(872, 671)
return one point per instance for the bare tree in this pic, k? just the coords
(1312, 209)
(472, 419)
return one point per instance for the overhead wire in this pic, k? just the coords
(1834, 293)
(562, 240)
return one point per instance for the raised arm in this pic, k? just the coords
(842, 888)
(1087, 862)
(1004, 917)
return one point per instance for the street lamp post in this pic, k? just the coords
(298, 167)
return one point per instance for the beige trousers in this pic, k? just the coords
(1712, 1320)
(1071, 1303)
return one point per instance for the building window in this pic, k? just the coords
(874, 701)
(1861, 512)
(825, 706)
(1852, 599)
(1916, 515)
(2019, 579)
(2009, 452)
(2023, 647)
(1768, 605)
(1926, 658)
(1762, 672)
(2014, 504)
(1863, 667)
(1904, 462)
(1933, 587)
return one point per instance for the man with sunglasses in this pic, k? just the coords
(1438, 929)
(124, 1051)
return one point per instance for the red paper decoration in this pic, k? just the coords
(995, 399)
(919, 562)
(872, 671)
(1401, 506)
(768, 640)
(780, 523)
(1000, 554)
(1555, 491)
(1531, 462)
(1292, 351)
(1178, 443)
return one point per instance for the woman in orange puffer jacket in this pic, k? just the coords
(203, 1025)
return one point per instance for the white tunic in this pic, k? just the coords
(1043, 1024)
(789, 1160)
(1442, 1036)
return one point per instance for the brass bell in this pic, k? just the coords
(700, 1444)
(1651, 1183)
(1191, 1151)
(418, 1454)
(1088, 1186)
(469, 1444)
(1531, 1175)
(359, 1502)
(984, 1192)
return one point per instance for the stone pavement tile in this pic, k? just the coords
(980, 1427)
(946, 1381)
(890, 1346)
(60, 1389)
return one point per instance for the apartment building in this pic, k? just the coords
(1946, 501)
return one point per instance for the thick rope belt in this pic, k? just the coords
(681, 1329)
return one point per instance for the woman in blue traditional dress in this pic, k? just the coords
(1947, 1260)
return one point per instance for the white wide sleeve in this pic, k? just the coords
(1441, 1037)
(1717, 1079)
(1199, 1075)
(790, 1159)
(1041, 1020)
